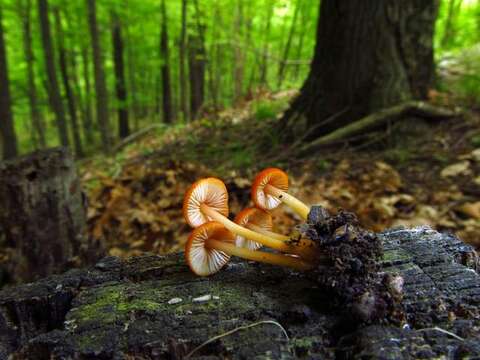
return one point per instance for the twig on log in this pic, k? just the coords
(378, 118)
(245, 327)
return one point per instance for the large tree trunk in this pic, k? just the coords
(153, 307)
(7, 131)
(72, 108)
(36, 117)
(166, 87)
(369, 55)
(52, 82)
(42, 214)
(100, 84)
(117, 41)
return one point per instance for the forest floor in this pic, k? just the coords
(421, 173)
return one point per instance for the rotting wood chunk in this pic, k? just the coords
(360, 288)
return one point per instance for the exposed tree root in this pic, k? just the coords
(136, 136)
(375, 120)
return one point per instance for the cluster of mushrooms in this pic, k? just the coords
(215, 237)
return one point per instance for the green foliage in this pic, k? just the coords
(241, 37)
(475, 140)
(457, 44)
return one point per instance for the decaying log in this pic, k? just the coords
(42, 213)
(153, 307)
(379, 118)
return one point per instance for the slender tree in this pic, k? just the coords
(72, 108)
(87, 102)
(181, 64)
(238, 54)
(52, 82)
(304, 21)
(7, 131)
(25, 9)
(392, 44)
(197, 61)
(288, 44)
(166, 87)
(266, 43)
(100, 84)
(120, 86)
(454, 7)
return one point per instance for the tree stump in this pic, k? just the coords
(42, 214)
(153, 307)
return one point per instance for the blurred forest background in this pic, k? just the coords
(152, 94)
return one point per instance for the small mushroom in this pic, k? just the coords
(207, 200)
(210, 246)
(270, 188)
(257, 220)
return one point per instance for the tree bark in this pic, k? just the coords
(369, 55)
(165, 69)
(183, 56)
(72, 108)
(153, 307)
(42, 214)
(100, 84)
(36, 117)
(52, 82)
(7, 131)
(117, 41)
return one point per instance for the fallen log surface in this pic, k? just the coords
(153, 307)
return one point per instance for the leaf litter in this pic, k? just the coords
(135, 205)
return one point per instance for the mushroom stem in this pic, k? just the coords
(303, 249)
(311, 255)
(272, 234)
(299, 207)
(259, 256)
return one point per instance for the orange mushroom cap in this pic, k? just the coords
(271, 176)
(254, 216)
(202, 260)
(210, 191)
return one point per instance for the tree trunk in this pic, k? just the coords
(196, 61)
(36, 117)
(183, 56)
(52, 82)
(153, 307)
(42, 213)
(288, 44)
(238, 55)
(72, 109)
(449, 30)
(304, 21)
(164, 51)
(266, 43)
(87, 103)
(369, 55)
(7, 131)
(117, 41)
(100, 84)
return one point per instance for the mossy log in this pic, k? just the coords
(153, 307)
